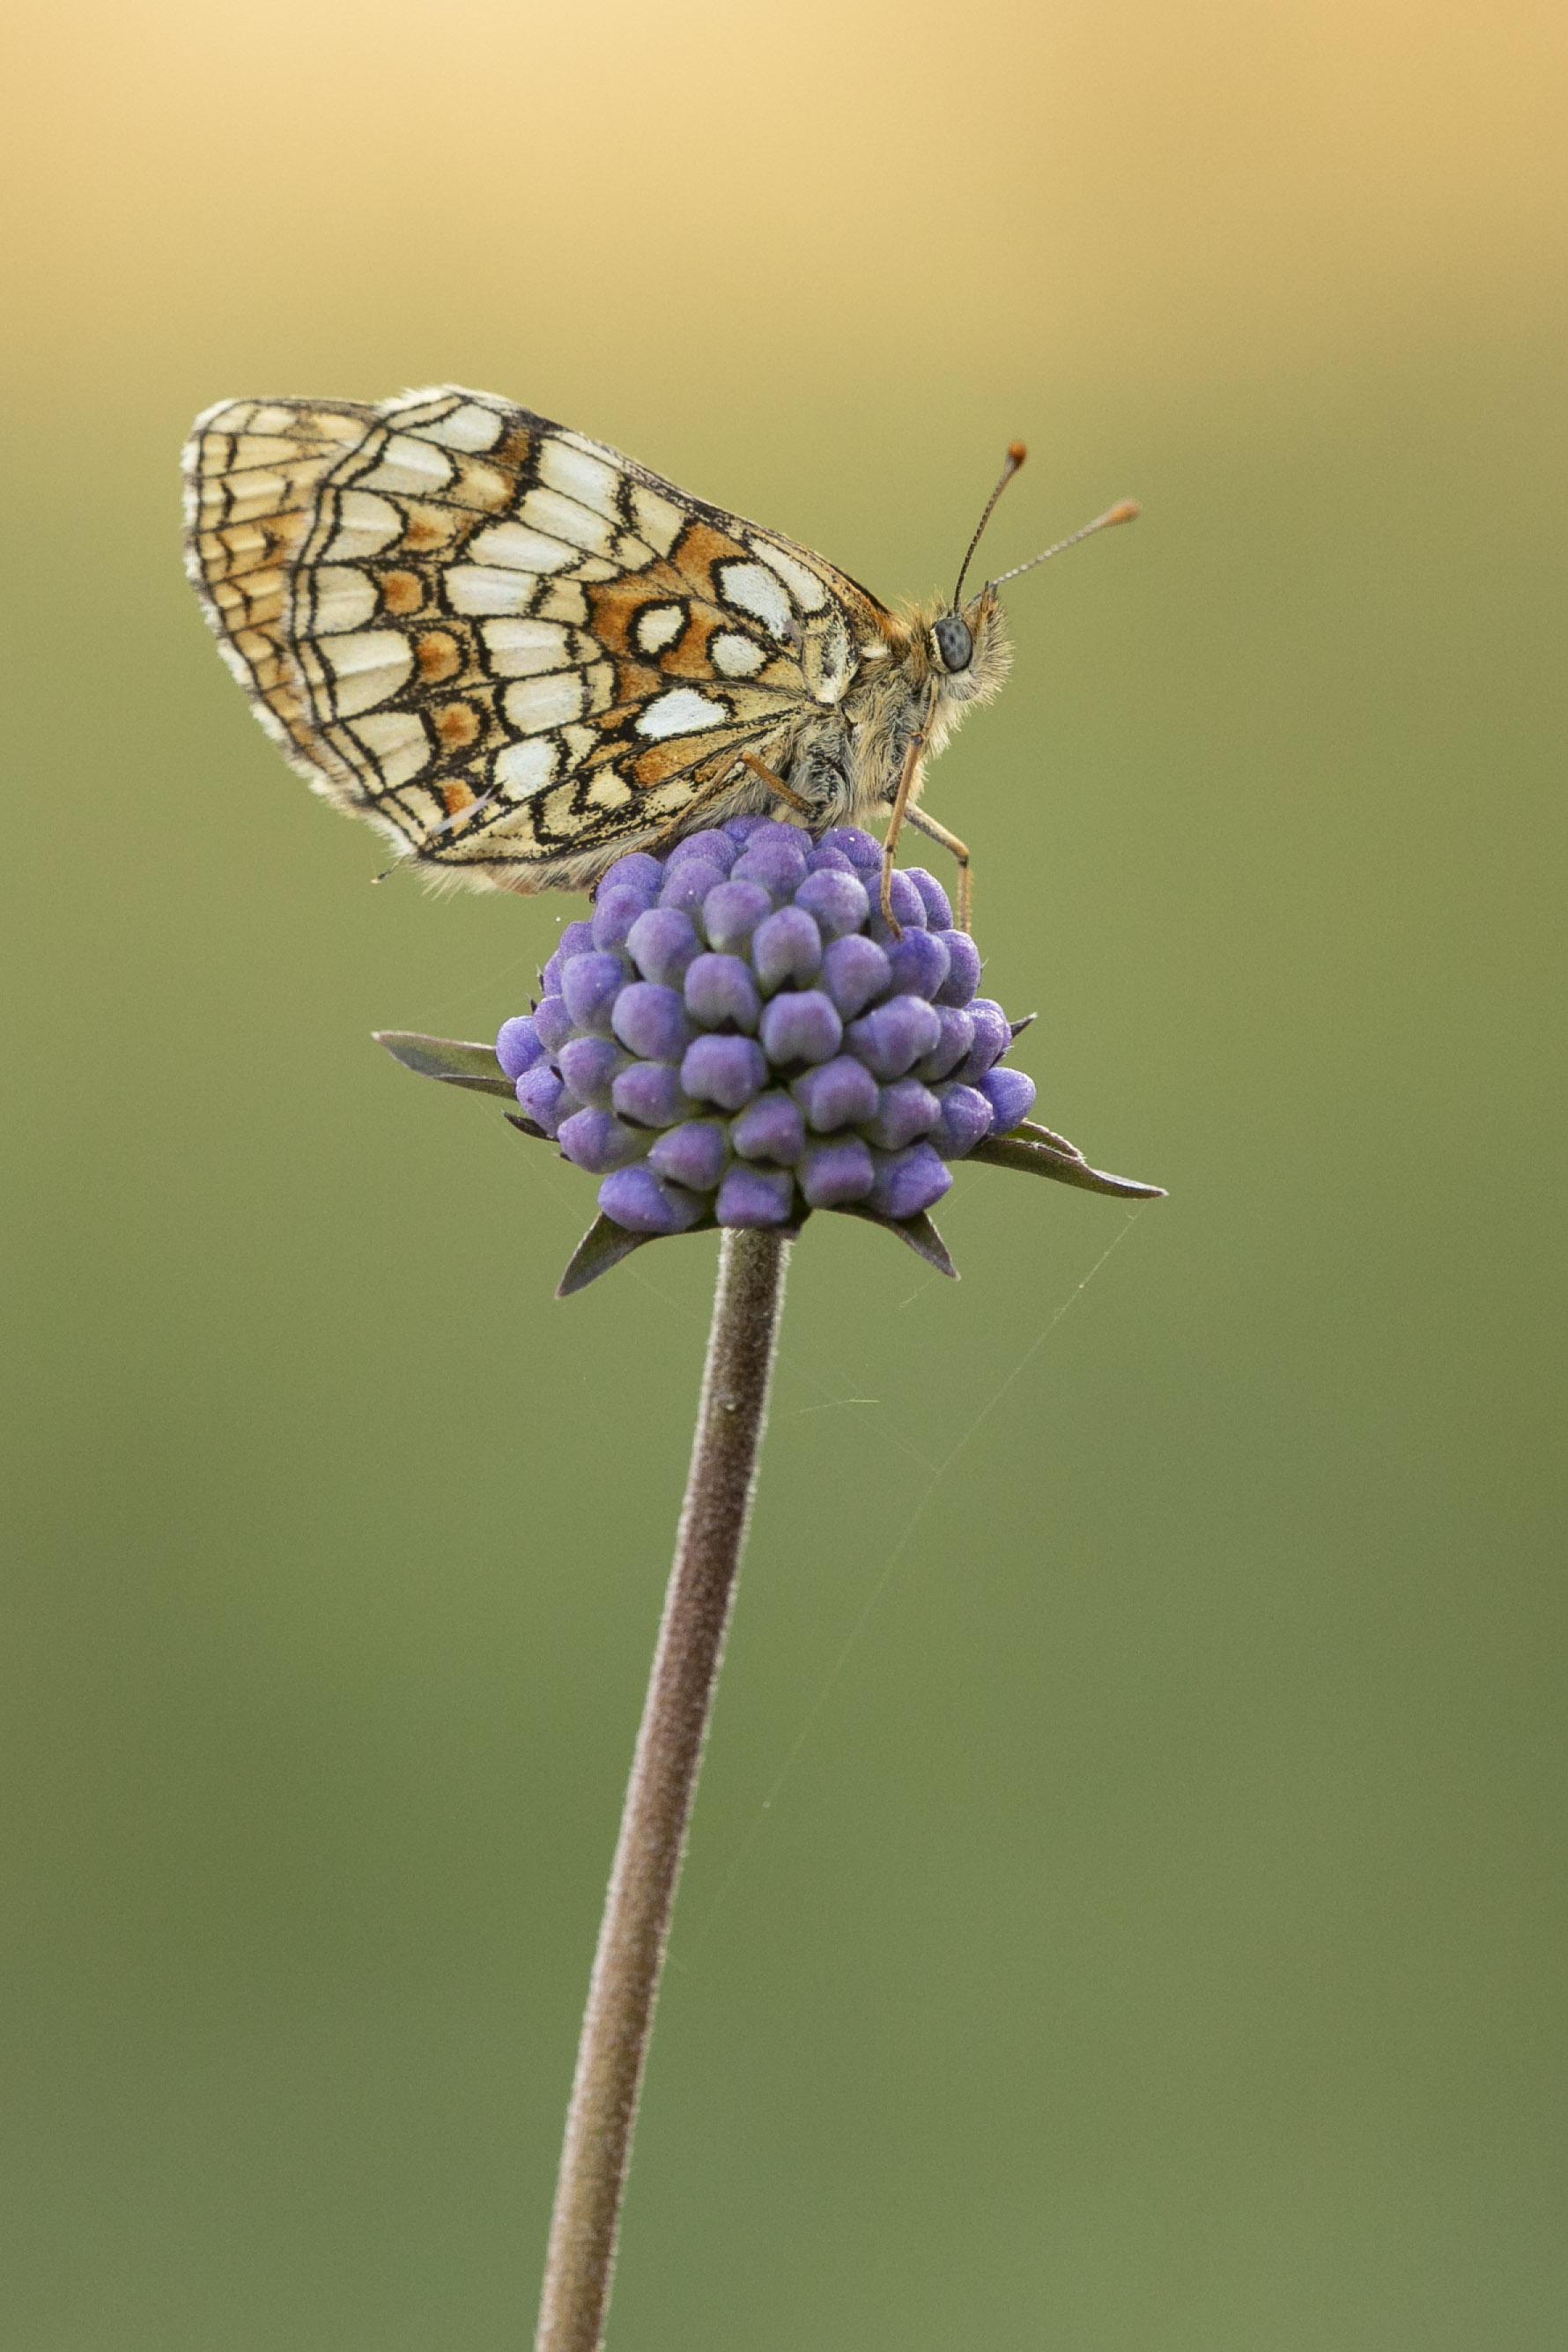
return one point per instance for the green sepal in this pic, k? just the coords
(918, 1233)
(605, 1244)
(455, 1063)
(1040, 1151)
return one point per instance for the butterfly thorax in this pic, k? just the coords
(848, 764)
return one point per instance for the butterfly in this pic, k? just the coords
(521, 654)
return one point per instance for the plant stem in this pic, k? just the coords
(612, 2049)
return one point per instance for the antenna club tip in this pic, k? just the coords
(1128, 512)
(1016, 453)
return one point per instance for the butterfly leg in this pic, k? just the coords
(901, 810)
(776, 784)
(949, 841)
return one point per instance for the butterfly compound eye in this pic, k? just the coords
(953, 641)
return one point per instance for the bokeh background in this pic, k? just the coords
(1155, 1942)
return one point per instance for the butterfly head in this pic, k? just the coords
(968, 648)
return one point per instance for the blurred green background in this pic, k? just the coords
(1155, 1944)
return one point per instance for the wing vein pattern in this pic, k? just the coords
(514, 650)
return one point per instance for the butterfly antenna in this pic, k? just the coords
(1016, 453)
(1126, 512)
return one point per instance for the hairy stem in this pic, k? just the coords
(627, 1967)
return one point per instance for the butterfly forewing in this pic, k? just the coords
(510, 646)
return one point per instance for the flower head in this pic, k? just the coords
(739, 1037)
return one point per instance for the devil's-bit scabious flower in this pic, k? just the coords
(738, 1035)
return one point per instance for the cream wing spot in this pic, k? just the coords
(609, 790)
(734, 657)
(682, 711)
(538, 704)
(468, 429)
(524, 648)
(366, 525)
(478, 588)
(658, 626)
(758, 592)
(805, 586)
(565, 518)
(525, 768)
(657, 521)
(397, 742)
(567, 467)
(514, 548)
(367, 669)
(340, 598)
(413, 467)
(564, 599)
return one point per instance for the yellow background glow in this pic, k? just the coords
(1156, 1940)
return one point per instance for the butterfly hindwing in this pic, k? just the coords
(516, 651)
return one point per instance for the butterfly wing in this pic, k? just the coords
(510, 647)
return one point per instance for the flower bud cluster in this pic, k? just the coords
(738, 1035)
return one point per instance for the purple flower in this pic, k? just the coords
(1011, 1097)
(589, 986)
(720, 989)
(785, 948)
(892, 1037)
(538, 1093)
(597, 1141)
(714, 848)
(553, 1023)
(755, 1196)
(517, 1045)
(690, 884)
(992, 1035)
(908, 907)
(962, 969)
(739, 1037)
(965, 1117)
(638, 871)
(934, 899)
(695, 1153)
(836, 1094)
(831, 1173)
(904, 1110)
(729, 1071)
(907, 1183)
(854, 972)
(731, 913)
(635, 1198)
(770, 1128)
(919, 964)
(651, 1094)
(835, 900)
(951, 1047)
(589, 1066)
(650, 1021)
(863, 850)
(663, 943)
(776, 857)
(614, 912)
(803, 1027)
